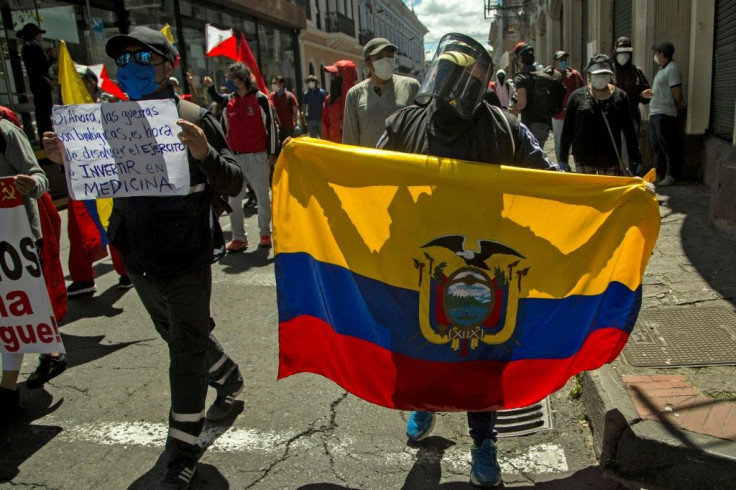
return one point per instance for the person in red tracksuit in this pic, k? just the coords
(251, 135)
(343, 77)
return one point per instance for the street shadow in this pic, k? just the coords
(254, 257)
(206, 476)
(81, 350)
(98, 305)
(427, 469)
(711, 251)
(39, 403)
(20, 442)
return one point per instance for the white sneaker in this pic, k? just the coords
(667, 181)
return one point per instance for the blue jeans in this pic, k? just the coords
(482, 426)
(666, 140)
(315, 129)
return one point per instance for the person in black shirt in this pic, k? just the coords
(596, 116)
(37, 63)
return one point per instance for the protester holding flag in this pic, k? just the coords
(18, 161)
(251, 134)
(167, 245)
(451, 120)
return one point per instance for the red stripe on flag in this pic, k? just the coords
(246, 57)
(307, 344)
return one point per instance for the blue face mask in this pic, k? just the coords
(230, 84)
(137, 80)
(563, 65)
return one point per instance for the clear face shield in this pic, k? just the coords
(459, 74)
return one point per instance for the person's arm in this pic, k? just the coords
(350, 124)
(214, 95)
(626, 121)
(218, 163)
(31, 180)
(677, 97)
(269, 123)
(192, 89)
(295, 111)
(644, 83)
(326, 118)
(568, 128)
(520, 100)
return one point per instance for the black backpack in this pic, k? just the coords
(548, 93)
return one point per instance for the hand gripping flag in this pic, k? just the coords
(245, 56)
(90, 216)
(421, 283)
(221, 43)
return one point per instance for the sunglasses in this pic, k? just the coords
(142, 57)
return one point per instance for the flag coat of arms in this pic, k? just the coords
(422, 283)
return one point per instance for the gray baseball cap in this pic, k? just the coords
(375, 46)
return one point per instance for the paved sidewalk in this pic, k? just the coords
(675, 427)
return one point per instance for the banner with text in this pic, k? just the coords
(27, 322)
(122, 150)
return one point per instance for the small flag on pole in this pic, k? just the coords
(221, 43)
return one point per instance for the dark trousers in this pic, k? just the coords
(179, 306)
(482, 426)
(666, 140)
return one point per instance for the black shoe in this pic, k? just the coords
(125, 283)
(223, 405)
(48, 368)
(178, 475)
(10, 407)
(82, 288)
(250, 203)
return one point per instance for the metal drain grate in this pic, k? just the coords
(523, 421)
(671, 337)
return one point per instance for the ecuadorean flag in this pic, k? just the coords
(423, 283)
(91, 216)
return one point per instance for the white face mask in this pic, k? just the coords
(599, 82)
(311, 85)
(656, 60)
(275, 87)
(623, 58)
(383, 68)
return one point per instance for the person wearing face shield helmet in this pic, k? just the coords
(596, 117)
(450, 119)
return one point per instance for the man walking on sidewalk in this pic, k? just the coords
(167, 246)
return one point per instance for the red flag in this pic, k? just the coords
(245, 56)
(221, 43)
(104, 82)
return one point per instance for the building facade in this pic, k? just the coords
(338, 30)
(271, 28)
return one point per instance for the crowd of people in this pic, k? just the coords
(232, 146)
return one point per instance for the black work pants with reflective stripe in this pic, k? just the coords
(179, 306)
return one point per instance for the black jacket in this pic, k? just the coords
(172, 235)
(493, 136)
(585, 130)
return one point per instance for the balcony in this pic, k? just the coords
(337, 22)
(365, 36)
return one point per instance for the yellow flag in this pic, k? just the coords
(166, 31)
(73, 90)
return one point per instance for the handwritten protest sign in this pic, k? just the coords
(122, 150)
(27, 322)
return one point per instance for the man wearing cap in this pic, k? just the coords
(313, 102)
(38, 61)
(572, 80)
(596, 117)
(451, 120)
(342, 78)
(524, 82)
(371, 101)
(167, 244)
(664, 108)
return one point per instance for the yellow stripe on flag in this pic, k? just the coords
(371, 211)
(166, 31)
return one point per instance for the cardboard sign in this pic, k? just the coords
(27, 322)
(122, 150)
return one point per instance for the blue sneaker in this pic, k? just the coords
(485, 471)
(420, 425)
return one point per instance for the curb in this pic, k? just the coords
(647, 452)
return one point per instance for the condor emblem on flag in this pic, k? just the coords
(421, 283)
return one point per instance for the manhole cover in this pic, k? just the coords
(671, 337)
(522, 421)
